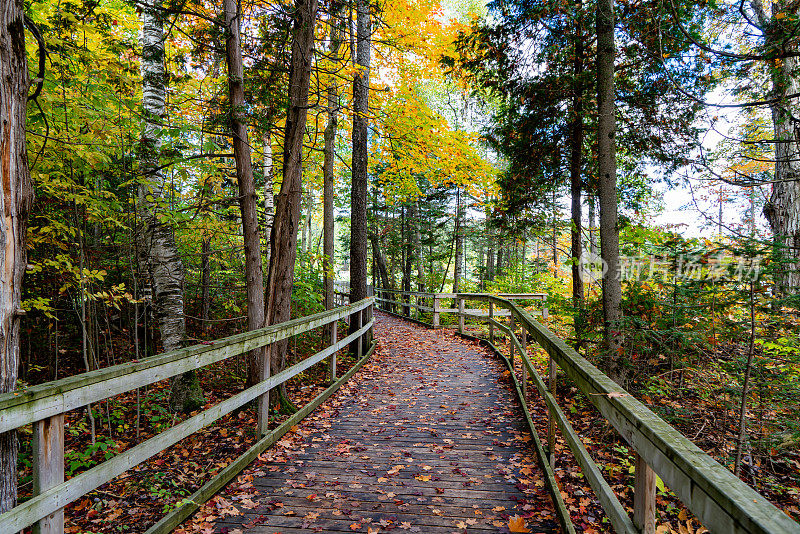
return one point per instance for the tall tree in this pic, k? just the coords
(14, 202)
(159, 249)
(283, 239)
(575, 174)
(783, 209)
(257, 365)
(358, 192)
(459, 242)
(328, 177)
(607, 189)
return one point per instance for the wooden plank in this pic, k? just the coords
(62, 494)
(720, 500)
(550, 478)
(25, 406)
(48, 468)
(169, 522)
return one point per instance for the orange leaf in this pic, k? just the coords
(517, 524)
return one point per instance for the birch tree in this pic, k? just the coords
(160, 252)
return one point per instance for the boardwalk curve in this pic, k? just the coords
(426, 438)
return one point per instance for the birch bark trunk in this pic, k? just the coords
(14, 202)
(160, 251)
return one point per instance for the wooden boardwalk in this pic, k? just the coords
(426, 438)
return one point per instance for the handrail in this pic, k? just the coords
(436, 308)
(720, 500)
(44, 405)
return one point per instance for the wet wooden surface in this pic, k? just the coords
(425, 438)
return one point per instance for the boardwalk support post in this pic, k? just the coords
(523, 333)
(48, 467)
(332, 341)
(644, 497)
(359, 318)
(460, 315)
(262, 426)
(510, 342)
(436, 304)
(551, 422)
(491, 326)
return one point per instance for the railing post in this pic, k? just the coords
(359, 318)
(523, 334)
(644, 497)
(491, 326)
(372, 318)
(551, 422)
(510, 336)
(460, 314)
(436, 302)
(334, 330)
(263, 400)
(48, 467)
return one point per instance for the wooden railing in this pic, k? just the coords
(45, 405)
(720, 500)
(433, 303)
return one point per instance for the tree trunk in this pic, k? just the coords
(592, 240)
(459, 253)
(269, 193)
(490, 259)
(575, 168)
(740, 442)
(283, 240)
(205, 282)
(380, 262)
(164, 263)
(253, 270)
(328, 178)
(408, 254)
(15, 202)
(554, 237)
(783, 209)
(607, 170)
(358, 193)
(498, 269)
(415, 246)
